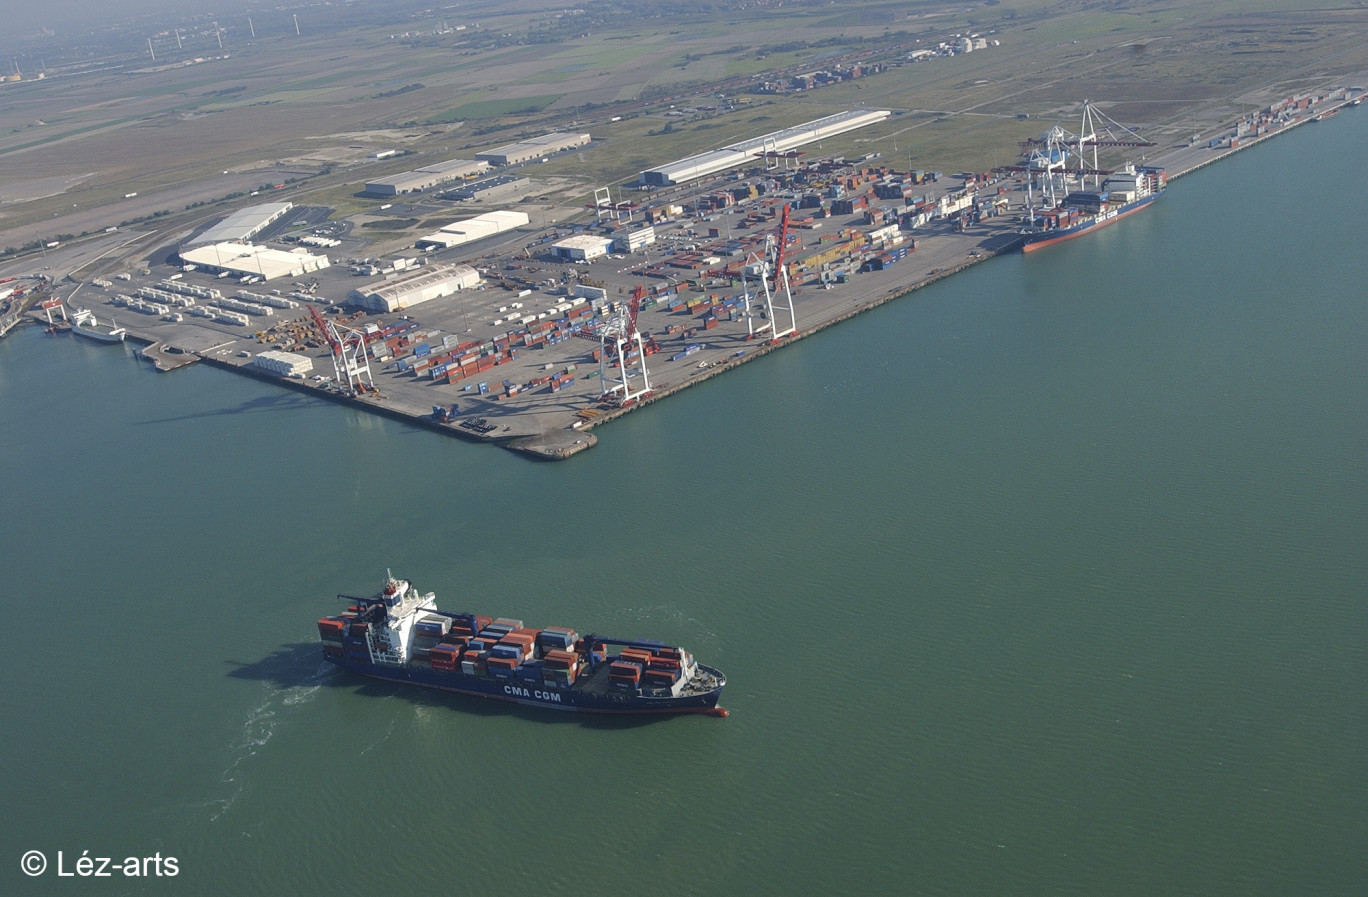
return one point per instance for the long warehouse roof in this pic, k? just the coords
(745, 151)
(243, 224)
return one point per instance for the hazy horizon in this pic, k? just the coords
(67, 17)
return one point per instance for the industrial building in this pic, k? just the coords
(750, 152)
(244, 224)
(423, 178)
(432, 283)
(492, 188)
(472, 229)
(533, 148)
(283, 364)
(243, 260)
(631, 241)
(581, 248)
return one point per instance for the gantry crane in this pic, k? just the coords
(620, 332)
(350, 361)
(1059, 156)
(772, 266)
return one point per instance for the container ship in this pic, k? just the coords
(1123, 193)
(399, 635)
(1059, 171)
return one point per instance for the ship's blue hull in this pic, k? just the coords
(538, 695)
(1038, 239)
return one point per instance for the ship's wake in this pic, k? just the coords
(261, 723)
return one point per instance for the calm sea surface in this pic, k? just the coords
(1048, 579)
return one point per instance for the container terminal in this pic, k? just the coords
(571, 317)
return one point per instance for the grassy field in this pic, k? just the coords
(494, 108)
(317, 105)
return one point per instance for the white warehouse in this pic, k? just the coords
(472, 229)
(246, 260)
(433, 283)
(581, 248)
(631, 241)
(244, 224)
(748, 152)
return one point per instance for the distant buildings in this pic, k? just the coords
(820, 77)
(244, 224)
(460, 232)
(748, 152)
(956, 46)
(423, 178)
(533, 148)
(492, 188)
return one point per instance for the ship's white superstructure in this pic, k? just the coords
(84, 323)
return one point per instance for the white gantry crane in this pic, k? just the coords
(348, 349)
(1059, 160)
(618, 335)
(783, 320)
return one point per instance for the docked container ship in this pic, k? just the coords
(1123, 193)
(399, 635)
(1059, 172)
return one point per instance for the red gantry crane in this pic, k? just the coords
(772, 266)
(619, 331)
(777, 302)
(350, 362)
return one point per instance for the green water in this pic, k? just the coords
(1046, 580)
